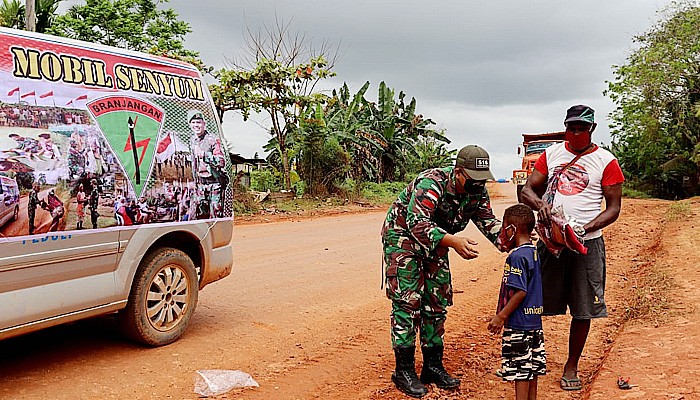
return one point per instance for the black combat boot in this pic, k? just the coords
(404, 377)
(433, 371)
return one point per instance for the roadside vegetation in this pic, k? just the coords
(656, 125)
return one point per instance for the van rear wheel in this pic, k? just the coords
(163, 298)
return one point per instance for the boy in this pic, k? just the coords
(520, 305)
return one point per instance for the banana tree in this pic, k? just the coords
(12, 14)
(400, 127)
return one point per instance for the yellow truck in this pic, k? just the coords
(533, 145)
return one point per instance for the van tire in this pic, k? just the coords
(171, 306)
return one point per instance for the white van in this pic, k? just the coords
(115, 195)
(9, 200)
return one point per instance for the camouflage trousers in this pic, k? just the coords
(420, 289)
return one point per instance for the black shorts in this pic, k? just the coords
(524, 357)
(574, 280)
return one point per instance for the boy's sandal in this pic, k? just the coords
(570, 384)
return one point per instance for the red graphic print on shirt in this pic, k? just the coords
(572, 181)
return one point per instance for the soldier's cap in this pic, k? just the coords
(475, 161)
(580, 113)
(45, 135)
(194, 114)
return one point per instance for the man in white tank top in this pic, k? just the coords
(576, 175)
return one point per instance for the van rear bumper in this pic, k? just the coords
(220, 264)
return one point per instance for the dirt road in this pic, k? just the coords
(303, 313)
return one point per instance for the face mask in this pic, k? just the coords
(578, 141)
(473, 187)
(505, 242)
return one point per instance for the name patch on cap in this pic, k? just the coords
(482, 163)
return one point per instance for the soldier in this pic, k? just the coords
(29, 146)
(93, 203)
(31, 207)
(419, 229)
(76, 161)
(209, 163)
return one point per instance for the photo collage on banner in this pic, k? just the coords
(88, 141)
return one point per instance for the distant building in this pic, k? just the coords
(246, 166)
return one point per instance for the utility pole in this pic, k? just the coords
(30, 15)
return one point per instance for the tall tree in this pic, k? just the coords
(277, 74)
(139, 25)
(656, 126)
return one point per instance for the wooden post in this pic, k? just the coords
(30, 15)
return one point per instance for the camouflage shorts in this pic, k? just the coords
(523, 353)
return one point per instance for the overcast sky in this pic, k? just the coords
(486, 71)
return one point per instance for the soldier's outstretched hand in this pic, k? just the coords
(466, 248)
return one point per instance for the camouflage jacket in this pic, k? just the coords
(429, 208)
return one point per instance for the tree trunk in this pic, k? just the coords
(282, 143)
(30, 15)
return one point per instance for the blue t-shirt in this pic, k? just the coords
(522, 272)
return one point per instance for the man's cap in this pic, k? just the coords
(580, 113)
(194, 114)
(475, 161)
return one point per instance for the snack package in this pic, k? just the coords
(561, 233)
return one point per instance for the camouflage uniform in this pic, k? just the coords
(31, 209)
(209, 167)
(418, 278)
(93, 203)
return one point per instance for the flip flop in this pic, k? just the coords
(570, 384)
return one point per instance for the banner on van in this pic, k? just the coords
(94, 137)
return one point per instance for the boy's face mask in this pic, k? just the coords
(506, 242)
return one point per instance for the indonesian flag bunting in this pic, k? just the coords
(32, 93)
(13, 91)
(166, 148)
(45, 95)
(83, 97)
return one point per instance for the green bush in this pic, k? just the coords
(347, 188)
(299, 187)
(264, 180)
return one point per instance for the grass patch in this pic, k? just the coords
(382, 193)
(652, 296)
(634, 193)
(679, 210)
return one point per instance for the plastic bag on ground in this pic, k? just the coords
(213, 382)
